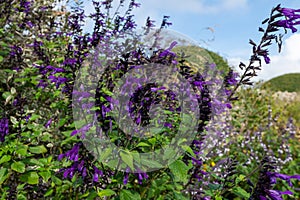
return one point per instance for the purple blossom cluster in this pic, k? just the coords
(264, 187)
(4, 128)
(292, 17)
(108, 27)
(140, 176)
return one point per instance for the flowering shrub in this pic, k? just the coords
(43, 153)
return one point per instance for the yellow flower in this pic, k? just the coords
(213, 164)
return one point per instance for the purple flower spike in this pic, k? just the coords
(167, 124)
(48, 123)
(97, 173)
(277, 195)
(291, 15)
(61, 156)
(82, 130)
(274, 175)
(125, 180)
(4, 130)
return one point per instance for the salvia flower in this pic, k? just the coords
(289, 12)
(292, 18)
(82, 130)
(97, 173)
(16, 51)
(4, 129)
(264, 187)
(287, 24)
(150, 23)
(126, 176)
(24, 6)
(48, 123)
(134, 4)
(165, 23)
(72, 154)
(141, 176)
(78, 166)
(277, 195)
(274, 175)
(57, 80)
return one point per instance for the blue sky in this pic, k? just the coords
(233, 23)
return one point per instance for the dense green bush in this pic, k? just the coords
(42, 155)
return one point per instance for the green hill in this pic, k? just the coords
(199, 56)
(286, 82)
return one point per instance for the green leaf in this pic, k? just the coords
(5, 158)
(18, 167)
(22, 150)
(3, 175)
(34, 117)
(38, 149)
(45, 175)
(239, 179)
(106, 193)
(151, 163)
(36, 162)
(218, 198)
(143, 144)
(21, 197)
(56, 180)
(48, 193)
(179, 170)
(105, 154)
(169, 154)
(240, 192)
(31, 178)
(128, 195)
(189, 150)
(179, 196)
(127, 158)
(1, 58)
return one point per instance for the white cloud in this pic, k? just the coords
(288, 61)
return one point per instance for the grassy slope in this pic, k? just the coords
(199, 56)
(287, 82)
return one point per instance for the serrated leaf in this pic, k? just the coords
(106, 193)
(189, 150)
(151, 163)
(18, 167)
(169, 154)
(22, 150)
(5, 158)
(56, 180)
(3, 175)
(45, 175)
(179, 170)
(143, 144)
(128, 195)
(105, 154)
(38, 149)
(239, 178)
(127, 158)
(240, 192)
(32, 178)
(48, 193)
(21, 197)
